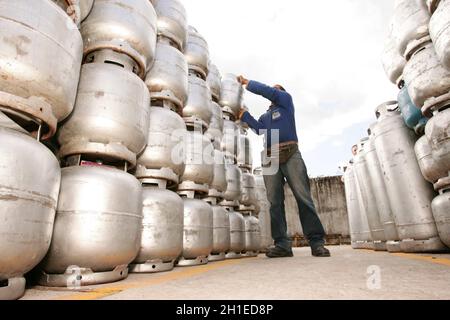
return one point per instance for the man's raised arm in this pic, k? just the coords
(257, 126)
(275, 95)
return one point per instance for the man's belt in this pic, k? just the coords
(285, 147)
(283, 152)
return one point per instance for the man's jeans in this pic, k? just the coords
(295, 173)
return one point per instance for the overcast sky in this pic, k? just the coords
(327, 54)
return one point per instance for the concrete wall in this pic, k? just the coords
(329, 197)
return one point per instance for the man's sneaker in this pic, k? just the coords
(321, 252)
(277, 252)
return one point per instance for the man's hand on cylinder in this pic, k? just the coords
(241, 112)
(242, 80)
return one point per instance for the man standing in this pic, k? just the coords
(281, 118)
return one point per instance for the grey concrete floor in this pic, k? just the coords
(348, 274)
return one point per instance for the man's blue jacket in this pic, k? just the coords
(280, 116)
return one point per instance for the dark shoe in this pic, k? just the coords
(277, 252)
(321, 252)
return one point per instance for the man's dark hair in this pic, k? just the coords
(281, 87)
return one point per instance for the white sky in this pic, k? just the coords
(327, 54)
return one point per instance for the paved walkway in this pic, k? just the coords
(349, 274)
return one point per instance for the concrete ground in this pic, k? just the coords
(348, 274)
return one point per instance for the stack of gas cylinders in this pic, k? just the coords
(398, 182)
(137, 163)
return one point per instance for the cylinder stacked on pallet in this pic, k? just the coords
(197, 112)
(45, 93)
(28, 197)
(35, 93)
(216, 127)
(230, 139)
(172, 22)
(161, 242)
(440, 30)
(111, 36)
(98, 223)
(231, 98)
(161, 165)
(264, 211)
(97, 227)
(393, 61)
(410, 26)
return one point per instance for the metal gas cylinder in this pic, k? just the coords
(412, 115)
(221, 233)
(219, 184)
(167, 80)
(199, 171)
(198, 232)
(230, 139)
(441, 213)
(431, 169)
(410, 195)
(375, 176)
(197, 53)
(410, 24)
(427, 80)
(231, 96)
(33, 88)
(99, 126)
(164, 156)
(440, 32)
(172, 21)
(393, 61)
(234, 177)
(121, 32)
(29, 185)
(359, 226)
(438, 135)
(237, 234)
(244, 151)
(162, 230)
(264, 211)
(248, 192)
(369, 202)
(78, 10)
(215, 130)
(97, 228)
(214, 81)
(252, 236)
(198, 109)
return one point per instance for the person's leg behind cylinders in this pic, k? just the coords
(296, 174)
(275, 194)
